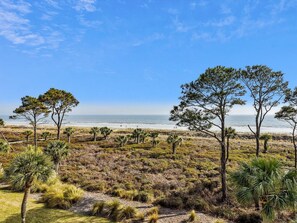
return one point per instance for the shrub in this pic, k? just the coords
(153, 210)
(113, 209)
(143, 196)
(192, 216)
(249, 218)
(61, 195)
(98, 208)
(128, 213)
(153, 218)
(172, 202)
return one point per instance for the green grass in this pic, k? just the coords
(36, 212)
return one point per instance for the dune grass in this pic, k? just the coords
(10, 211)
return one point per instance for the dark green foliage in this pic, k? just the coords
(45, 135)
(94, 131)
(105, 131)
(121, 140)
(175, 141)
(27, 134)
(68, 132)
(57, 150)
(265, 138)
(264, 181)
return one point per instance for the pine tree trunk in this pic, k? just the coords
(35, 136)
(58, 132)
(24, 204)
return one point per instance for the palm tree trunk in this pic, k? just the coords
(68, 139)
(265, 146)
(173, 148)
(24, 204)
(94, 137)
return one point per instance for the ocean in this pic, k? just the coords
(239, 122)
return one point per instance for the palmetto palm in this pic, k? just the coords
(175, 141)
(136, 134)
(57, 150)
(25, 169)
(154, 136)
(94, 131)
(68, 132)
(264, 183)
(121, 140)
(266, 138)
(44, 135)
(105, 131)
(27, 134)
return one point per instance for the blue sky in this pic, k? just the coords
(131, 56)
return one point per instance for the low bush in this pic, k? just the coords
(192, 216)
(153, 218)
(61, 196)
(249, 218)
(115, 211)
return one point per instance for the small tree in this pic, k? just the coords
(2, 124)
(204, 105)
(94, 131)
(25, 169)
(59, 102)
(265, 138)
(136, 135)
(27, 134)
(288, 114)
(265, 184)
(230, 134)
(154, 136)
(105, 131)
(121, 140)
(45, 135)
(4, 146)
(34, 111)
(143, 136)
(57, 150)
(267, 88)
(68, 132)
(175, 141)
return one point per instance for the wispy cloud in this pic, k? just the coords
(14, 26)
(148, 39)
(86, 5)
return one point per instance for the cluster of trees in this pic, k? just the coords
(205, 103)
(56, 103)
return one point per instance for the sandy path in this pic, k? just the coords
(166, 215)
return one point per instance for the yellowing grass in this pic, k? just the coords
(36, 213)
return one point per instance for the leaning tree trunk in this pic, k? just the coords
(24, 204)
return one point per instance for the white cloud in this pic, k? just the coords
(86, 5)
